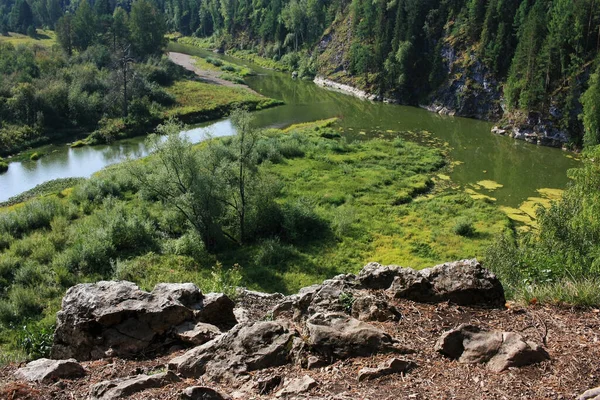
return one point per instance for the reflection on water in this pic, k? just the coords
(520, 167)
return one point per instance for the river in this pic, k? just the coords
(520, 167)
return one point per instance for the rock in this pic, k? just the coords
(340, 336)
(45, 370)
(369, 308)
(592, 394)
(246, 348)
(297, 386)
(114, 319)
(201, 393)
(377, 276)
(500, 350)
(217, 309)
(391, 366)
(197, 333)
(187, 294)
(268, 384)
(462, 282)
(294, 74)
(124, 387)
(315, 362)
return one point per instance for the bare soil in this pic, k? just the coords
(571, 337)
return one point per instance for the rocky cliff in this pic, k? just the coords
(390, 332)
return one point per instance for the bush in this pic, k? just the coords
(301, 223)
(214, 61)
(35, 340)
(35, 214)
(464, 227)
(3, 166)
(226, 280)
(271, 252)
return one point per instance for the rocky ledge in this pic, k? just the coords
(534, 129)
(389, 331)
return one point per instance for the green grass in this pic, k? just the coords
(196, 99)
(256, 59)
(56, 187)
(46, 38)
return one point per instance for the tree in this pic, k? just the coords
(147, 27)
(64, 33)
(21, 17)
(84, 26)
(120, 28)
(591, 110)
(183, 180)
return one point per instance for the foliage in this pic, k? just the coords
(563, 251)
(226, 280)
(464, 227)
(36, 341)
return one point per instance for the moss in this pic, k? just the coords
(78, 143)
(35, 156)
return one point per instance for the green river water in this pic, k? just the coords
(520, 167)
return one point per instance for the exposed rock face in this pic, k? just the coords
(120, 388)
(370, 308)
(535, 129)
(391, 366)
(201, 393)
(196, 334)
(297, 386)
(118, 319)
(45, 370)
(462, 282)
(338, 336)
(500, 350)
(246, 348)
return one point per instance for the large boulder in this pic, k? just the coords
(125, 387)
(117, 318)
(339, 336)
(499, 350)
(370, 308)
(461, 282)
(45, 370)
(245, 348)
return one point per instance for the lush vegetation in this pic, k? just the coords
(290, 208)
(558, 261)
(539, 53)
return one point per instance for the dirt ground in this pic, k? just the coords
(571, 337)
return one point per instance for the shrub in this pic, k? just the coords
(228, 68)
(226, 280)
(35, 156)
(271, 252)
(190, 244)
(3, 166)
(464, 227)
(35, 214)
(301, 223)
(214, 61)
(343, 218)
(35, 340)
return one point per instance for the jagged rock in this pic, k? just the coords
(124, 387)
(500, 350)
(196, 333)
(245, 348)
(340, 336)
(45, 370)
(391, 366)
(111, 318)
(592, 394)
(297, 386)
(317, 298)
(268, 384)
(377, 276)
(370, 308)
(217, 309)
(201, 393)
(462, 282)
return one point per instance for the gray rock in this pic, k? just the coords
(500, 350)
(124, 387)
(113, 319)
(591, 394)
(297, 386)
(268, 384)
(196, 333)
(217, 309)
(45, 370)
(244, 349)
(462, 282)
(391, 366)
(187, 294)
(377, 276)
(201, 393)
(369, 308)
(315, 362)
(339, 336)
